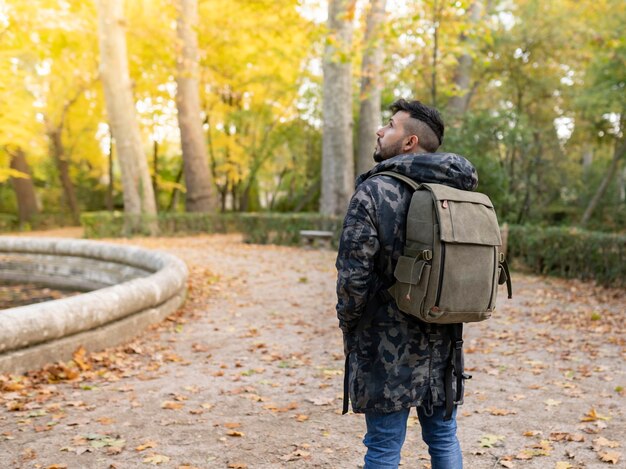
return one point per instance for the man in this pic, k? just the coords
(393, 361)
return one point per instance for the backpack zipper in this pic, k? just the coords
(443, 261)
(493, 283)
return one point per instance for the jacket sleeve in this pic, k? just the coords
(358, 249)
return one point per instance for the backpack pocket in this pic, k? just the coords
(411, 285)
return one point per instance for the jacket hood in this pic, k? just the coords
(440, 168)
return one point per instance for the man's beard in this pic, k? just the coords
(384, 153)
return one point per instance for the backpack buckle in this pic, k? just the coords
(501, 257)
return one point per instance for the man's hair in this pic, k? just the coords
(429, 126)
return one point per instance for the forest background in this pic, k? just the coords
(288, 95)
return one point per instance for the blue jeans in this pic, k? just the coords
(386, 432)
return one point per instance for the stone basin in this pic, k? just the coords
(125, 290)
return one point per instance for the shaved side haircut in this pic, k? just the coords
(427, 123)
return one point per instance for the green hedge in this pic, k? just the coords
(118, 224)
(284, 228)
(565, 252)
(8, 222)
(261, 228)
(570, 253)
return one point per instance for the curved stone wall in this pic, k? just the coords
(128, 288)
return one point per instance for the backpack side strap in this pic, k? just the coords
(454, 370)
(505, 276)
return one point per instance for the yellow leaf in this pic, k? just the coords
(592, 416)
(80, 358)
(156, 459)
(494, 411)
(489, 441)
(146, 445)
(235, 434)
(563, 465)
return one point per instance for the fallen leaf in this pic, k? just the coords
(146, 445)
(81, 360)
(235, 433)
(200, 348)
(601, 441)
(489, 441)
(28, 454)
(232, 425)
(237, 465)
(610, 456)
(297, 454)
(113, 450)
(564, 436)
(592, 416)
(171, 405)
(551, 402)
(321, 401)
(494, 411)
(156, 459)
(563, 465)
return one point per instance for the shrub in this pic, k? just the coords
(565, 252)
(8, 222)
(261, 228)
(570, 253)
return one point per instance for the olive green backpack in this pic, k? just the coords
(451, 266)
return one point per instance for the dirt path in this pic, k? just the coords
(249, 375)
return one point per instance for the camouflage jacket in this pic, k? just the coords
(394, 360)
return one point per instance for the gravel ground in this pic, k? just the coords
(249, 373)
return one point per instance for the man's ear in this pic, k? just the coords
(411, 144)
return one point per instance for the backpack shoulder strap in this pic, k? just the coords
(414, 185)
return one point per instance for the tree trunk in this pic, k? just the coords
(462, 76)
(155, 171)
(199, 196)
(120, 105)
(369, 113)
(109, 196)
(621, 181)
(337, 149)
(618, 154)
(23, 187)
(435, 61)
(58, 152)
(174, 197)
(587, 158)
